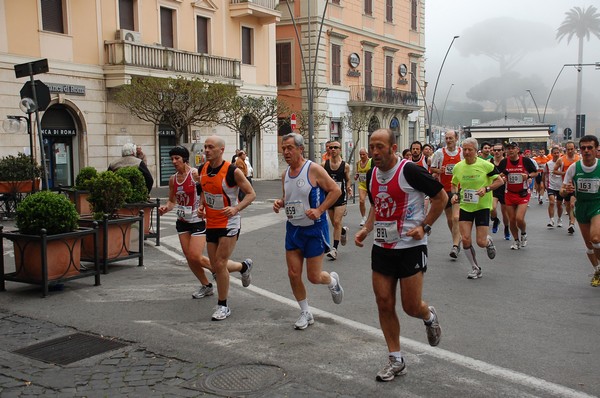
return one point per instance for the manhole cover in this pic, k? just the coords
(242, 379)
(69, 349)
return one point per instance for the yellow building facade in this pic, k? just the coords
(95, 46)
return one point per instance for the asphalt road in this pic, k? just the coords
(529, 327)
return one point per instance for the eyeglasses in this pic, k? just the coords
(334, 147)
(587, 147)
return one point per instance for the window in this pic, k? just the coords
(283, 60)
(369, 7)
(389, 73)
(126, 20)
(368, 75)
(202, 34)
(246, 46)
(414, 5)
(335, 2)
(389, 10)
(53, 16)
(336, 64)
(413, 80)
(166, 27)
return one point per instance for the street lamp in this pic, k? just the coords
(13, 124)
(424, 101)
(438, 80)
(444, 107)
(536, 107)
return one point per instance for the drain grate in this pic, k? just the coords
(69, 349)
(242, 379)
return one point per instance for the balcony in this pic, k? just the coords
(383, 97)
(264, 10)
(125, 59)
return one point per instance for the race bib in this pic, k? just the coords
(588, 185)
(470, 196)
(515, 178)
(449, 169)
(386, 231)
(362, 177)
(184, 212)
(294, 210)
(214, 201)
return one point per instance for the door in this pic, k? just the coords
(59, 161)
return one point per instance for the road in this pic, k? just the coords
(529, 327)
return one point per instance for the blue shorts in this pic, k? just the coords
(312, 241)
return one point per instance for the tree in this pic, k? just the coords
(177, 102)
(302, 126)
(581, 23)
(247, 115)
(357, 122)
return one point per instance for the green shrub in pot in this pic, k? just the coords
(139, 192)
(108, 192)
(83, 178)
(48, 210)
(18, 168)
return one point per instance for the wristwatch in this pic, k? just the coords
(427, 229)
(488, 189)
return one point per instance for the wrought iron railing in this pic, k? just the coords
(383, 95)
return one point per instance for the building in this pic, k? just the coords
(95, 46)
(369, 64)
(529, 135)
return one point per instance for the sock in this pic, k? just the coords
(209, 284)
(333, 282)
(397, 356)
(470, 253)
(303, 305)
(506, 230)
(222, 302)
(335, 244)
(523, 234)
(244, 267)
(430, 319)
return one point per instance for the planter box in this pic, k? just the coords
(151, 218)
(79, 199)
(114, 240)
(48, 259)
(25, 186)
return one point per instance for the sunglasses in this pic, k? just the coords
(587, 147)
(334, 147)
(498, 150)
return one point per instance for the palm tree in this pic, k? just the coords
(581, 23)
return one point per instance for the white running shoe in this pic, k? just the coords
(221, 313)
(516, 245)
(344, 237)
(550, 223)
(203, 292)
(305, 320)
(475, 273)
(559, 223)
(363, 221)
(523, 240)
(246, 277)
(337, 292)
(332, 254)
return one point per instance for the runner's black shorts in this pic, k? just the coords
(399, 263)
(480, 217)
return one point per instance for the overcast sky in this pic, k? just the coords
(445, 19)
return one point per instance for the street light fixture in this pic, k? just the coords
(437, 81)
(13, 124)
(536, 107)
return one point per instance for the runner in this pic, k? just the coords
(486, 148)
(583, 180)
(442, 164)
(190, 225)
(417, 156)
(554, 183)
(307, 192)
(541, 159)
(498, 196)
(396, 190)
(362, 167)
(517, 169)
(221, 181)
(560, 168)
(339, 170)
(473, 180)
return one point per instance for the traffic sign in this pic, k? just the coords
(293, 120)
(567, 133)
(42, 91)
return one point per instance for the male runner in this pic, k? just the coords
(541, 159)
(362, 167)
(561, 166)
(307, 192)
(553, 183)
(221, 182)
(417, 156)
(498, 196)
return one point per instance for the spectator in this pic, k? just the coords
(127, 159)
(140, 155)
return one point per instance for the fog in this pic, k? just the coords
(527, 24)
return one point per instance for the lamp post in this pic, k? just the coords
(536, 107)
(444, 107)
(424, 101)
(438, 80)
(10, 127)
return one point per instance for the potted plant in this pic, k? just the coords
(19, 174)
(79, 194)
(138, 199)
(47, 245)
(108, 192)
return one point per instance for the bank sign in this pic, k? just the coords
(60, 88)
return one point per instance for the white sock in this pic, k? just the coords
(430, 319)
(303, 305)
(333, 282)
(397, 355)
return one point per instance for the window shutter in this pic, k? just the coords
(166, 27)
(202, 34)
(336, 64)
(284, 64)
(126, 14)
(52, 16)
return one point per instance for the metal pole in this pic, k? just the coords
(445, 101)
(536, 107)
(424, 101)
(29, 131)
(39, 127)
(438, 80)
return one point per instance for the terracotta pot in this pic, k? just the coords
(133, 210)
(20, 186)
(118, 242)
(63, 258)
(79, 198)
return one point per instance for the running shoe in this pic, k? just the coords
(454, 252)
(571, 229)
(541, 201)
(523, 240)
(363, 221)
(550, 223)
(392, 369)
(344, 237)
(332, 254)
(246, 277)
(559, 223)
(475, 273)
(596, 279)
(433, 329)
(337, 292)
(491, 249)
(305, 320)
(495, 224)
(221, 313)
(203, 292)
(516, 245)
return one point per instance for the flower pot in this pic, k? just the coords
(133, 210)
(25, 186)
(80, 199)
(116, 244)
(62, 256)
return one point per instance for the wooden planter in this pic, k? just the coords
(48, 259)
(114, 240)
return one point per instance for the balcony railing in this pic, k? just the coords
(264, 10)
(271, 4)
(382, 95)
(155, 57)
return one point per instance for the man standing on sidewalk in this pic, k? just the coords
(221, 182)
(308, 192)
(397, 190)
